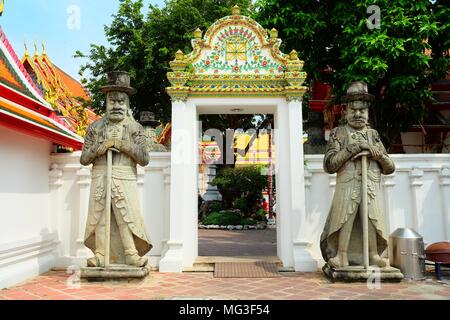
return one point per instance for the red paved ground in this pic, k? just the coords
(290, 286)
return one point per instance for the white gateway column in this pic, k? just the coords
(291, 186)
(173, 258)
(183, 190)
(283, 178)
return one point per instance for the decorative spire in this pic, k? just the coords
(43, 48)
(274, 33)
(26, 47)
(293, 55)
(35, 48)
(236, 11)
(180, 63)
(179, 55)
(198, 33)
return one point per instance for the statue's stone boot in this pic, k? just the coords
(136, 261)
(375, 259)
(97, 261)
(340, 260)
(335, 262)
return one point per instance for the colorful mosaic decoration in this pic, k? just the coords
(235, 57)
(237, 50)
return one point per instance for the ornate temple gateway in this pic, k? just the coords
(236, 67)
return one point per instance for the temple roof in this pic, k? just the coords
(22, 105)
(14, 76)
(65, 94)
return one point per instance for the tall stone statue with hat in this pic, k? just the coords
(149, 123)
(115, 145)
(355, 231)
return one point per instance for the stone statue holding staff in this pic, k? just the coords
(355, 152)
(115, 145)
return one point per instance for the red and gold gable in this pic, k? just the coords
(9, 78)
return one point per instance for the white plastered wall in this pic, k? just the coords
(27, 239)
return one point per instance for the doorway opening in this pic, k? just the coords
(236, 187)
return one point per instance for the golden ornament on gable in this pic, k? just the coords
(273, 33)
(198, 33)
(236, 57)
(236, 11)
(295, 78)
(178, 79)
(180, 63)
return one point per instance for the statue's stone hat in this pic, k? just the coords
(357, 92)
(147, 118)
(118, 81)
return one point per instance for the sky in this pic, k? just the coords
(65, 26)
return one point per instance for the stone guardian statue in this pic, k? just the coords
(355, 152)
(118, 133)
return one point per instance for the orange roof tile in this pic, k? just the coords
(72, 85)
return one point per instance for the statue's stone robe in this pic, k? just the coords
(347, 197)
(124, 194)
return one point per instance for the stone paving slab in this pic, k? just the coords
(289, 286)
(237, 243)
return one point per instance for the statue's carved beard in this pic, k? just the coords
(117, 116)
(358, 122)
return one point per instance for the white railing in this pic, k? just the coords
(417, 195)
(69, 188)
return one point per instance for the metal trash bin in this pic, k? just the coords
(406, 252)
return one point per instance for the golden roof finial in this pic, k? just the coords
(35, 48)
(198, 33)
(273, 33)
(43, 47)
(236, 11)
(293, 55)
(26, 47)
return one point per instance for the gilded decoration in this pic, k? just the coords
(236, 57)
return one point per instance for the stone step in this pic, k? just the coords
(196, 268)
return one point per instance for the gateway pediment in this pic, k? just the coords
(236, 56)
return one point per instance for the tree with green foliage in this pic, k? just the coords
(242, 185)
(341, 42)
(144, 45)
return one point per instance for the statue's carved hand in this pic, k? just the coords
(118, 144)
(105, 146)
(354, 148)
(375, 152)
(364, 146)
(121, 145)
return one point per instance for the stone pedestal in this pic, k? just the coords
(359, 274)
(114, 272)
(212, 193)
